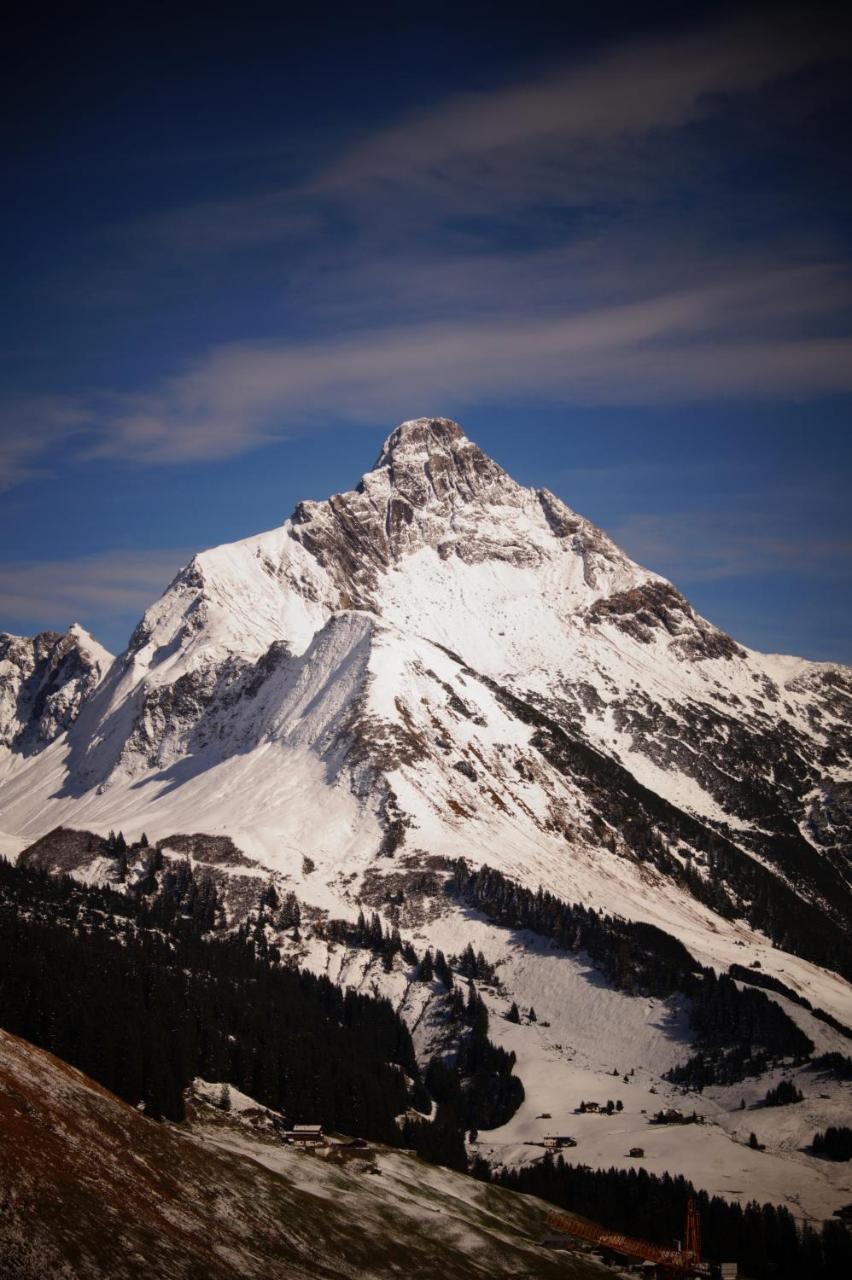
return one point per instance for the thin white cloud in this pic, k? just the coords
(766, 333)
(691, 345)
(577, 132)
(93, 589)
(653, 313)
(697, 547)
(626, 92)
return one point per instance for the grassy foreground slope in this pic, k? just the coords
(90, 1189)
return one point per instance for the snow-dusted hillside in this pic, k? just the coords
(443, 663)
(591, 1042)
(93, 1190)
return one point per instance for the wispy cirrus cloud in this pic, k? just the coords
(628, 92)
(730, 338)
(105, 592)
(565, 134)
(700, 547)
(752, 334)
(522, 243)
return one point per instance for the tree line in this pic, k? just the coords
(735, 884)
(763, 1239)
(737, 1032)
(473, 1081)
(769, 982)
(132, 989)
(834, 1144)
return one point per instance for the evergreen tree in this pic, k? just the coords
(442, 970)
(762, 1239)
(375, 934)
(475, 1012)
(269, 898)
(782, 1095)
(290, 916)
(834, 1144)
(128, 988)
(426, 971)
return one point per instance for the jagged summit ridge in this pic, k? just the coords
(433, 492)
(420, 436)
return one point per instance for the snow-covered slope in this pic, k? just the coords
(589, 1041)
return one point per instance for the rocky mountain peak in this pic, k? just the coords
(419, 435)
(444, 660)
(429, 487)
(430, 461)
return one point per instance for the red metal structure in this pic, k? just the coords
(677, 1262)
(692, 1235)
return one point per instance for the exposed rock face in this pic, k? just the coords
(659, 606)
(43, 683)
(431, 487)
(368, 678)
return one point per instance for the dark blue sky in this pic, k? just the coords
(242, 246)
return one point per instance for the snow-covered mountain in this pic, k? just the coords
(444, 663)
(442, 660)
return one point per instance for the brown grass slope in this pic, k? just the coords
(92, 1190)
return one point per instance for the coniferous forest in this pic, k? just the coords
(474, 1085)
(133, 990)
(834, 1144)
(96, 978)
(737, 884)
(763, 1239)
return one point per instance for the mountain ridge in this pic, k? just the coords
(321, 648)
